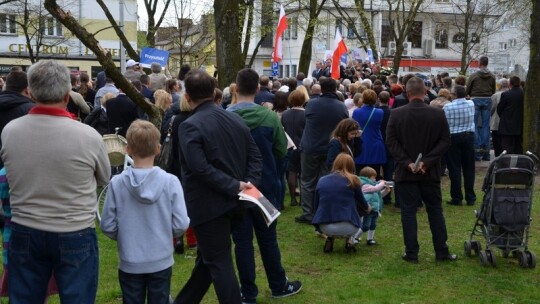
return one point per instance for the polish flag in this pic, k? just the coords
(282, 26)
(340, 49)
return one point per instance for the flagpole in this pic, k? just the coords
(290, 54)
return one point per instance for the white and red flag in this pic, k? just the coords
(282, 26)
(340, 49)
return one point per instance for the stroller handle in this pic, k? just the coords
(530, 154)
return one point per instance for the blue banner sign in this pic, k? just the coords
(149, 55)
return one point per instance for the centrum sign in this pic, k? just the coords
(56, 49)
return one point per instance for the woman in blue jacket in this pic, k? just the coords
(338, 201)
(345, 139)
(370, 118)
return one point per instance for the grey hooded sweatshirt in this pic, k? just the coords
(143, 210)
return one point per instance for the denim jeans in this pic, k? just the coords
(460, 160)
(138, 287)
(482, 114)
(35, 254)
(370, 221)
(245, 254)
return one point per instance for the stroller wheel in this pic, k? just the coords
(467, 247)
(491, 257)
(523, 259)
(476, 246)
(532, 259)
(484, 261)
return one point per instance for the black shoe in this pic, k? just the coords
(470, 203)
(302, 219)
(179, 246)
(448, 257)
(294, 203)
(371, 242)
(248, 300)
(291, 288)
(328, 245)
(409, 259)
(349, 248)
(454, 203)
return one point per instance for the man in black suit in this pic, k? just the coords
(388, 167)
(317, 73)
(413, 129)
(121, 112)
(510, 111)
(218, 159)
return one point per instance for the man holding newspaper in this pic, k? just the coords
(269, 136)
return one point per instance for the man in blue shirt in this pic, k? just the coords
(460, 156)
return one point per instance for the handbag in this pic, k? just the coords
(165, 156)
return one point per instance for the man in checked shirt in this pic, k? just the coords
(460, 156)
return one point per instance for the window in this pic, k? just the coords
(386, 33)
(502, 46)
(415, 35)
(350, 29)
(50, 27)
(7, 24)
(292, 29)
(441, 35)
(442, 1)
(339, 25)
(267, 25)
(512, 43)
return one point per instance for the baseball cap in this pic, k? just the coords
(131, 63)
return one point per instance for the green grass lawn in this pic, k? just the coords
(374, 274)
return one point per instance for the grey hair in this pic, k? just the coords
(307, 82)
(49, 81)
(367, 83)
(504, 83)
(155, 67)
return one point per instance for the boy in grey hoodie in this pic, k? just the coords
(144, 209)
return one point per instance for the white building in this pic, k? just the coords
(51, 40)
(432, 46)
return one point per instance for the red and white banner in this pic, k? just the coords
(282, 26)
(340, 49)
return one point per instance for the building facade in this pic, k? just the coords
(42, 37)
(433, 45)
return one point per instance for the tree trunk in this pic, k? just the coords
(105, 59)
(228, 41)
(366, 23)
(531, 128)
(250, 10)
(465, 43)
(305, 53)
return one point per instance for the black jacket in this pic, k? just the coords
(98, 120)
(510, 110)
(121, 112)
(417, 128)
(264, 95)
(216, 153)
(12, 105)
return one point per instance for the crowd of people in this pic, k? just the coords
(345, 150)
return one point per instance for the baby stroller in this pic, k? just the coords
(504, 218)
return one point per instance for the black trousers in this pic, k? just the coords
(214, 264)
(496, 138)
(430, 193)
(460, 160)
(513, 144)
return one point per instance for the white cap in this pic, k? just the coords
(131, 63)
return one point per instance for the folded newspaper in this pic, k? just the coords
(270, 213)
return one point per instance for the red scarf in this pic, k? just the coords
(53, 111)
